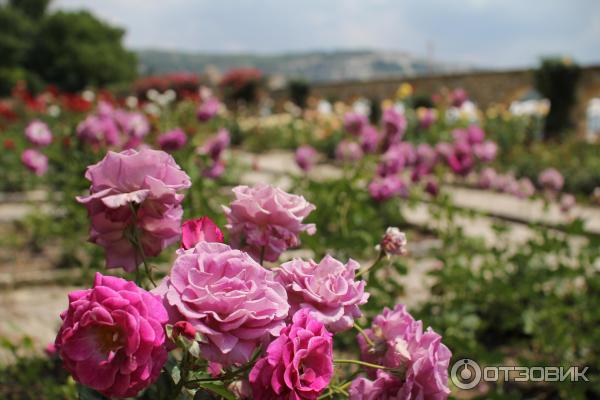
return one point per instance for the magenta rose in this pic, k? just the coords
(305, 157)
(394, 126)
(38, 133)
(327, 289)
(198, 230)
(266, 221)
(400, 343)
(227, 297)
(298, 364)
(134, 190)
(369, 139)
(215, 145)
(382, 189)
(112, 337)
(35, 161)
(172, 140)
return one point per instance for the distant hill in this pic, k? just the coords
(313, 66)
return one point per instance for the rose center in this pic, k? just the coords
(109, 338)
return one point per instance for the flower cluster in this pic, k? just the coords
(135, 205)
(257, 332)
(265, 221)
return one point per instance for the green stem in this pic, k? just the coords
(372, 267)
(361, 363)
(184, 371)
(362, 332)
(135, 240)
(262, 255)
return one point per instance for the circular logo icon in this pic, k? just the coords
(465, 374)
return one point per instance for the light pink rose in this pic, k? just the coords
(348, 151)
(305, 157)
(327, 289)
(38, 133)
(227, 297)
(148, 181)
(112, 337)
(208, 109)
(552, 180)
(35, 161)
(298, 364)
(400, 343)
(198, 230)
(266, 221)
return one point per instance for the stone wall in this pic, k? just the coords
(485, 88)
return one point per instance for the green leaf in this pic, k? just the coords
(217, 389)
(85, 393)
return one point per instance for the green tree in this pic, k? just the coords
(34, 9)
(556, 79)
(74, 50)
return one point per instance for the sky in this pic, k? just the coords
(484, 33)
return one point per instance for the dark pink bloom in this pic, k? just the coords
(382, 189)
(198, 230)
(355, 122)
(394, 126)
(298, 364)
(38, 133)
(432, 187)
(369, 139)
(461, 159)
(172, 140)
(552, 180)
(327, 289)
(215, 146)
(147, 181)
(400, 343)
(215, 170)
(393, 242)
(35, 161)
(98, 130)
(475, 134)
(227, 297)
(458, 97)
(391, 162)
(266, 221)
(112, 337)
(347, 151)
(305, 157)
(208, 109)
(485, 151)
(184, 328)
(427, 118)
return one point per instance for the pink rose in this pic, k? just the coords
(400, 343)
(369, 139)
(327, 289)
(147, 181)
(35, 161)
(298, 364)
(227, 297)
(347, 151)
(98, 130)
(305, 157)
(208, 109)
(172, 140)
(394, 126)
(382, 189)
(198, 230)
(355, 122)
(552, 180)
(38, 133)
(266, 221)
(112, 337)
(215, 145)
